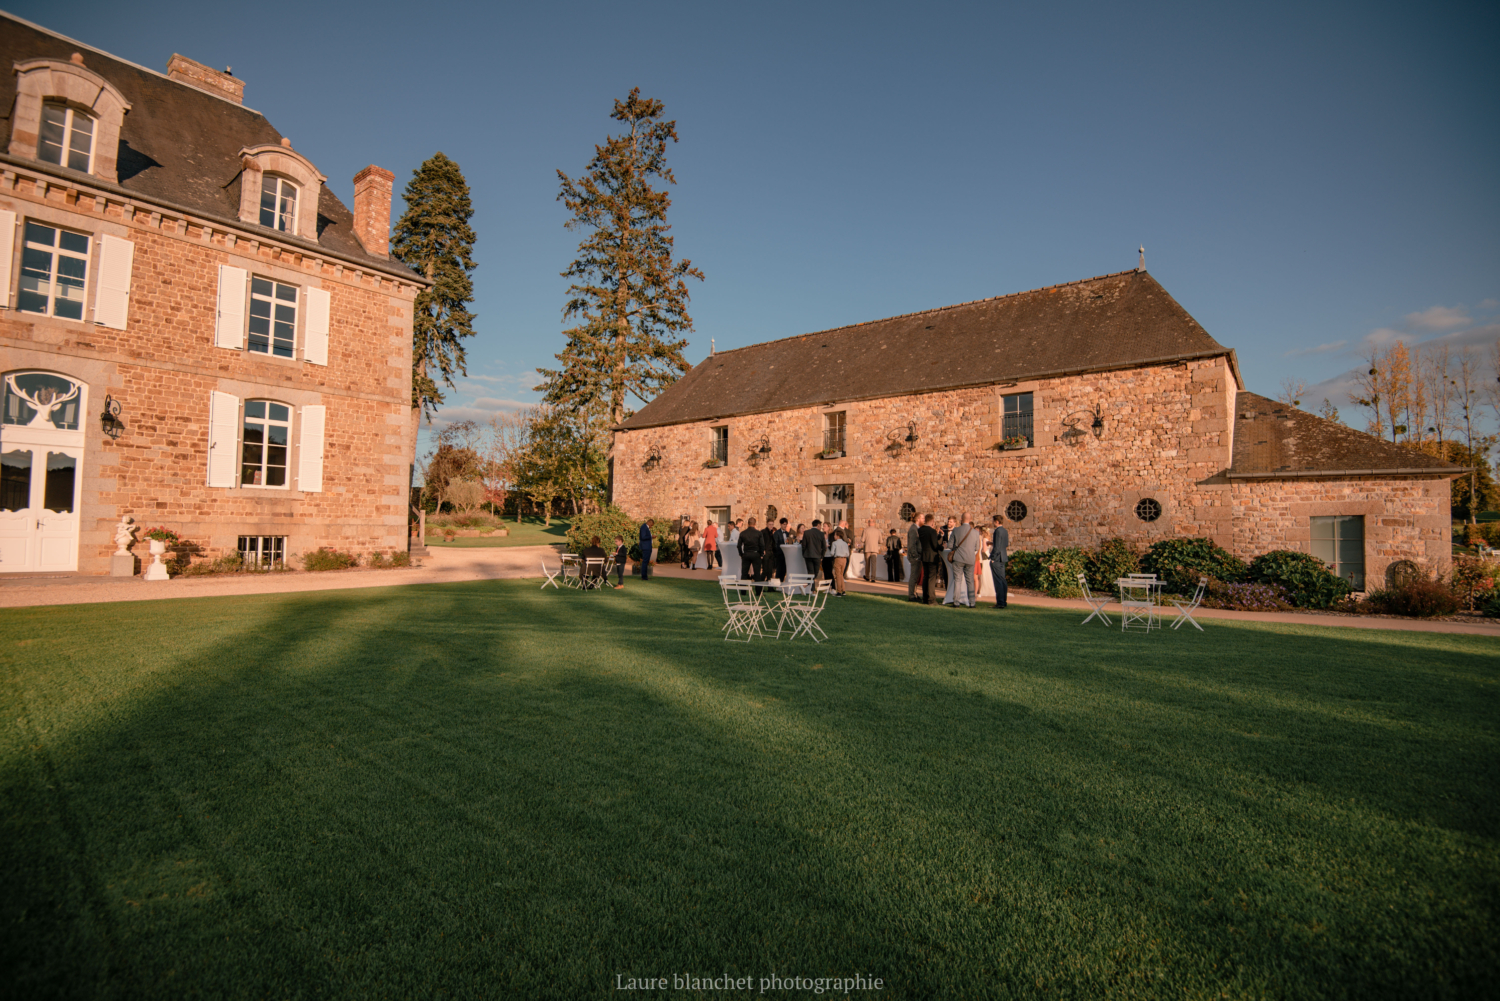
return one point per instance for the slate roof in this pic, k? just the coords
(178, 144)
(1097, 324)
(1275, 441)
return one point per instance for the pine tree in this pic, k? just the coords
(629, 294)
(435, 240)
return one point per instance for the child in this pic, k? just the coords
(622, 556)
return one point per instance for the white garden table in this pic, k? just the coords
(1138, 602)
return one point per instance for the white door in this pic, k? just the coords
(39, 507)
(41, 461)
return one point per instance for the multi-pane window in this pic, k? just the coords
(1016, 419)
(67, 137)
(718, 446)
(267, 436)
(263, 550)
(1339, 541)
(54, 270)
(833, 432)
(278, 203)
(273, 317)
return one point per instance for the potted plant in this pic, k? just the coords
(1014, 442)
(159, 537)
(713, 463)
(831, 453)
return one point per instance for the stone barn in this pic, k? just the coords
(1083, 411)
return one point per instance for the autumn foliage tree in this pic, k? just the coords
(629, 295)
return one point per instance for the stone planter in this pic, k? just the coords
(157, 570)
(830, 455)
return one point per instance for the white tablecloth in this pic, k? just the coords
(794, 561)
(731, 562)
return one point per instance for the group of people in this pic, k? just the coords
(947, 554)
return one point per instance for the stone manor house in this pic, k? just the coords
(194, 331)
(1079, 412)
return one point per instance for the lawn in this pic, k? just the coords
(484, 790)
(530, 532)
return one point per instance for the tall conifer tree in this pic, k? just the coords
(628, 293)
(434, 239)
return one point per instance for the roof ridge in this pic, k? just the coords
(122, 59)
(921, 312)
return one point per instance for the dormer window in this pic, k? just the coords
(278, 204)
(66, 138)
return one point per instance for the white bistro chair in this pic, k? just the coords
(1097, 604)
(745, 611)
(551, 575)
(804, 612)
(1185, 609)
(592, 573)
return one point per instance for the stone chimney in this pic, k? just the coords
(195, 74)
(372, 209)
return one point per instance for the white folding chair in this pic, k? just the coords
(1097, 604)
(551, 575)
(591, 575)
(745, 612)
(1185, 609)
(804, 614)
(572, 571)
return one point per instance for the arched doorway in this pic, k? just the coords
(41, 465)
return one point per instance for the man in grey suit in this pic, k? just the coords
(814, 547)
(913, 556)
(999, 544)
(963, 543)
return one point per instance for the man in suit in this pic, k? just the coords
(999, 546)
(914, 556)
(752, 553)
(871, 543)
(778, 558)
(646, 549)
(622, 557)
(963, 543)
(814, 548)
(930, 544)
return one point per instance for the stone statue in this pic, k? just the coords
(124, 536)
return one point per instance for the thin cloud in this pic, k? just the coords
(1320, 349)
(1438, 318)
(1489, 304)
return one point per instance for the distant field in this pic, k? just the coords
(529, 532)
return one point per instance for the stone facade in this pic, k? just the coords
(165, 361)
(1167, 436)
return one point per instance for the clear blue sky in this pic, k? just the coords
(1305, 177)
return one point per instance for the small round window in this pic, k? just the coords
(908, 513)
(770, 514)
(1016, 510)
(1148, 509)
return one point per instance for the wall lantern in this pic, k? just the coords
(1075, 432)
(109, 419)
(900, 440)
(760, 451)
(653, 457)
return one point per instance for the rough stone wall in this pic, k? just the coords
(1166, 437)
(164, 366)
(1405, 518)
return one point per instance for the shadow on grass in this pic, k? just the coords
(484, 789)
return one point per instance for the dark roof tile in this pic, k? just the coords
(1273, 440)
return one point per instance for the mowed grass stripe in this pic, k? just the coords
(488, 790)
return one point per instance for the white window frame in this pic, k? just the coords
(66, 152)
(54, 252)
(275, 300)
(283, 216)
(266, 422)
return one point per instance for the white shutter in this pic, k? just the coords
(310, 449)
(315, 340)
(223, 438)
(112, 299)
(229, 327)
(7, 251)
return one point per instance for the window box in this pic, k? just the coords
(831, 453)
(1014, 443)
(713, 463)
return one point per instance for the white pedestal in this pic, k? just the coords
(157, 570)
(122, 565)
